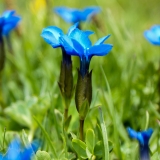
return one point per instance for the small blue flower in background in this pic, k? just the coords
(143, 139)
(8, 21)
(153, 35)
(17, 152)
(79, 44)
(72, 15)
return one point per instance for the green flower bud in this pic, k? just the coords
(66, 82)
(83, 94)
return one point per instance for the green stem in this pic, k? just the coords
(81, 129)
(65, 114)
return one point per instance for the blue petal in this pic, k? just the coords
(69, 45)
(51, 35)
(27, 153)
(72, 28)
(13, 152)
(153, 35)
(9, 24)
(88, 12)
(68, 14)
(132, 133)
(1, 157)
(81, 37)
(101, 40)
(143, 137)
(8, 13)
(99, 50)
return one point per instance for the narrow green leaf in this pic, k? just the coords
(147, 120)
(113, 115)
(104, 134)
(90, 140)
(47, 138)
(80, 148)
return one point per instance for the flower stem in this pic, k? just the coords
(65, 114)
(81, 128)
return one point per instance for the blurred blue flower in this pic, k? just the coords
(72, 15)
(143, 139)
(79, 44)
(17, 152)
(153, 35)
(8, 21)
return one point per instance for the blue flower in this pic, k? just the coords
(8, 21)
(143, 139)
(79, 44)
(72, 15)
(52, 36)
(153, 35)
(17, 152)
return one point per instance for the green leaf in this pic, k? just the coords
(80, 148)
(20, 113)
(104, 134)
(42, 155)
(47, 138)
(99, 149)
(90, 140)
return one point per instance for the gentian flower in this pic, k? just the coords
(52, 36)
(143, 139)
(153, 35)
(17, 152)
(73, 15)
(79, 44)
(8, 21)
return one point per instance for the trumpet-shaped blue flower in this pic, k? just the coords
(17, 152)
(52, 36)
(153, 35)
(8, 21)
(143, 139)
(79, 44)
(72, 15)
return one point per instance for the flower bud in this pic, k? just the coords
(83, 94)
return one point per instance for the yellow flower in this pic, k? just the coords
(37, 6)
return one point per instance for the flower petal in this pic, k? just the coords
(82, 37)
(153, 35)
(51, 35)
(101, 40)
(9, 24)
(68, 45)
(13, 151)
(8, 13)
(88, 12)
(69, 15)
(72, 28)
(99, 50)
